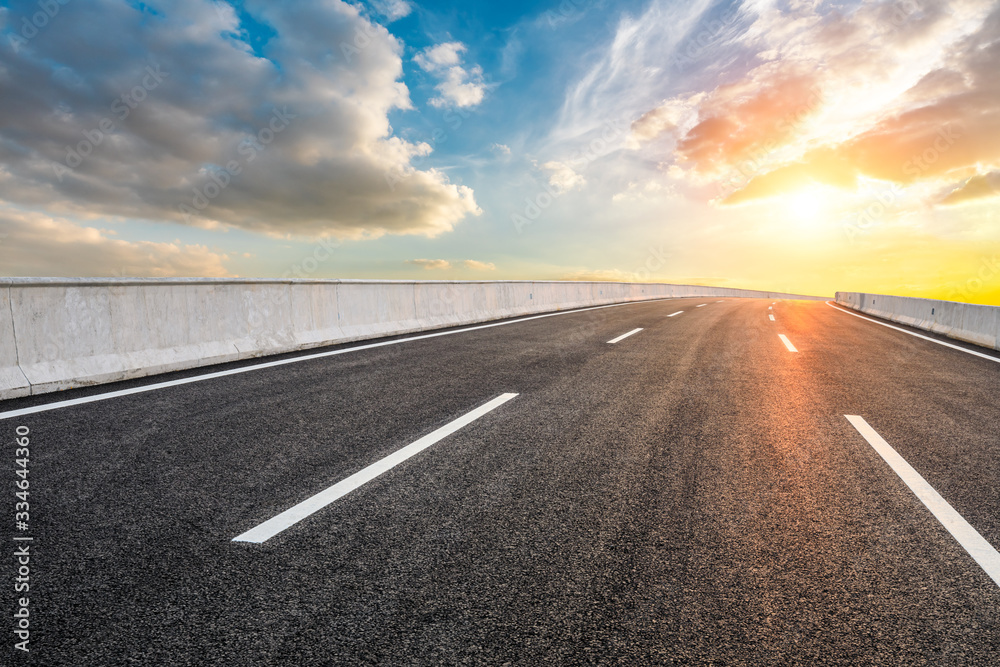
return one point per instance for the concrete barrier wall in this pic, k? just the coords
(963, 321)
(61, 333)
(12, 380)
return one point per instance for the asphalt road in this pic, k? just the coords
(691, 494)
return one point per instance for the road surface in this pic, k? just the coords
(653, 483)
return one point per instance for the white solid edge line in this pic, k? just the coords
(55, 405)
(624, 336)
(677, 313)
(970, 539)
(290, 517)
(788, 343)
(933, 340)
(772, 317)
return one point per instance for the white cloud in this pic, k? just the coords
(434, 58)
(601, 275)
(459, 87)
(35, 244)
(479, 266)
(975, 189)
(630, 72)
(674, 116)
(430, 264)
(802, 89)
(562, 177)
(651, 189)
(846, 95)
(503, 149)
(305, 127)
(392, 10)
(443, 264)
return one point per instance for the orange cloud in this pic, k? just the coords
(32, 243)
(977, 187)
(759, 114)
(948, 127)
(821, 166)
(430, 264)
(905, 92)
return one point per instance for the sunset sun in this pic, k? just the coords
(807, 206)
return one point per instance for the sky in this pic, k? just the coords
(799, 146)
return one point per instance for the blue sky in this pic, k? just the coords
(760, 144)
